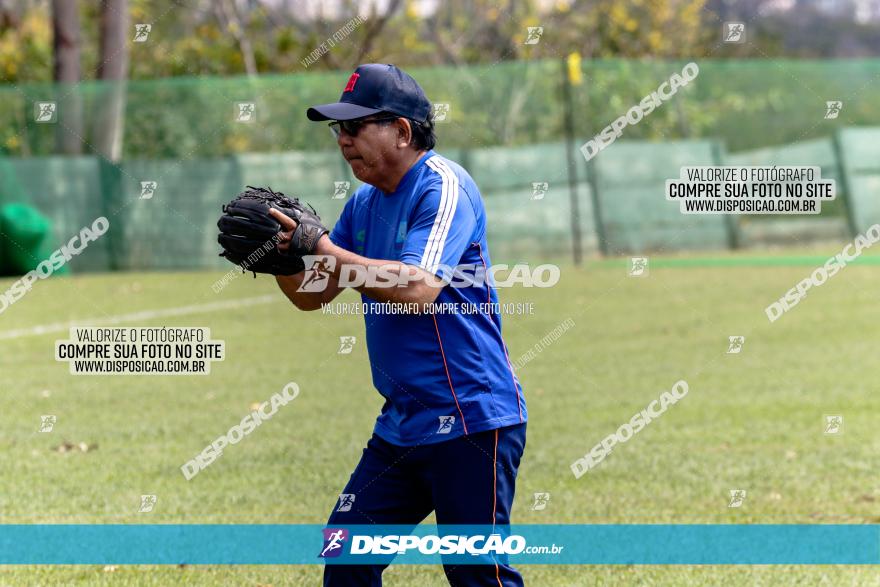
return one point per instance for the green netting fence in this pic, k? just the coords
(859, 151)
(748, 104)
(505, 124)
(620, 198)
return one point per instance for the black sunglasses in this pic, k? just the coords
(353, 127)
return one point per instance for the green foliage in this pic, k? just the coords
(26, 50)
(747, 104)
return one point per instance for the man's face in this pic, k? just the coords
(371, 152)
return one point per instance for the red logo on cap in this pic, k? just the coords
(351, 81)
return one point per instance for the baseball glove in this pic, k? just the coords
(249, 235)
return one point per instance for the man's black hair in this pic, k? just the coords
(423, 137)
(423, 133)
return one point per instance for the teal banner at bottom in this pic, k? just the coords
(545, 544)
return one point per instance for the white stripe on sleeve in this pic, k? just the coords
(445, 212)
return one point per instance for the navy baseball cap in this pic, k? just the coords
(373, 88)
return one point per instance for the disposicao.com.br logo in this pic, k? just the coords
(475, 545)
(320, 267)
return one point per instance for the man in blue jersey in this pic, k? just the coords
(452, 431)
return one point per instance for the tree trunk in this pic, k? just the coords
(66, 41)
(113, 70)
(231, 20)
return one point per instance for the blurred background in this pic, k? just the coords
(155, 112)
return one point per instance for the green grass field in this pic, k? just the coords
(751, 421)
